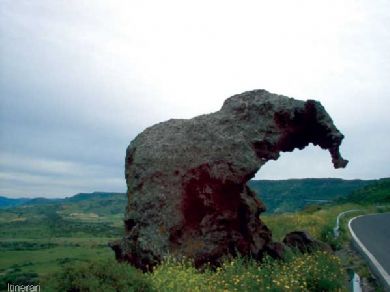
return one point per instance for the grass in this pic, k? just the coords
(319, 271)
(98, 275)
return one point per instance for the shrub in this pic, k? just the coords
(107, 275)
(327, 235)
(18, 278)
(22, 245)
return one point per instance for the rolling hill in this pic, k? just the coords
(376, 193)
(278, 195)
(293, 194)
(10, 202)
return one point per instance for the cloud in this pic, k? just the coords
(55, 178)
(29, 185)
(79, 79)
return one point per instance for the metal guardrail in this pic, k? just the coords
(356, 286)
(336, 229)
(355, 280)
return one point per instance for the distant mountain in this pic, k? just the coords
(9, 202)
(95, 195)
(41, 201)
(278, 196)
(98, 202)
(294, 194)
(376, 193)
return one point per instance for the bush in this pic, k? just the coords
(107, 275)
(327, 235)
(23, 245)
(18, 278)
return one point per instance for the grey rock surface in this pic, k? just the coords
(186, 178)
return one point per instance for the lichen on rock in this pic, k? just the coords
(186, 178)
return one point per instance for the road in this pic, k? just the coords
(374, 233)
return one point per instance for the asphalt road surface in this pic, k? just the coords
(374, 232)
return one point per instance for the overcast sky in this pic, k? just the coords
(80, 79)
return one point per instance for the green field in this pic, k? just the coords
(37, 241)
(44, 261)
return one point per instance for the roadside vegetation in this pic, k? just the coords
(319, 271)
